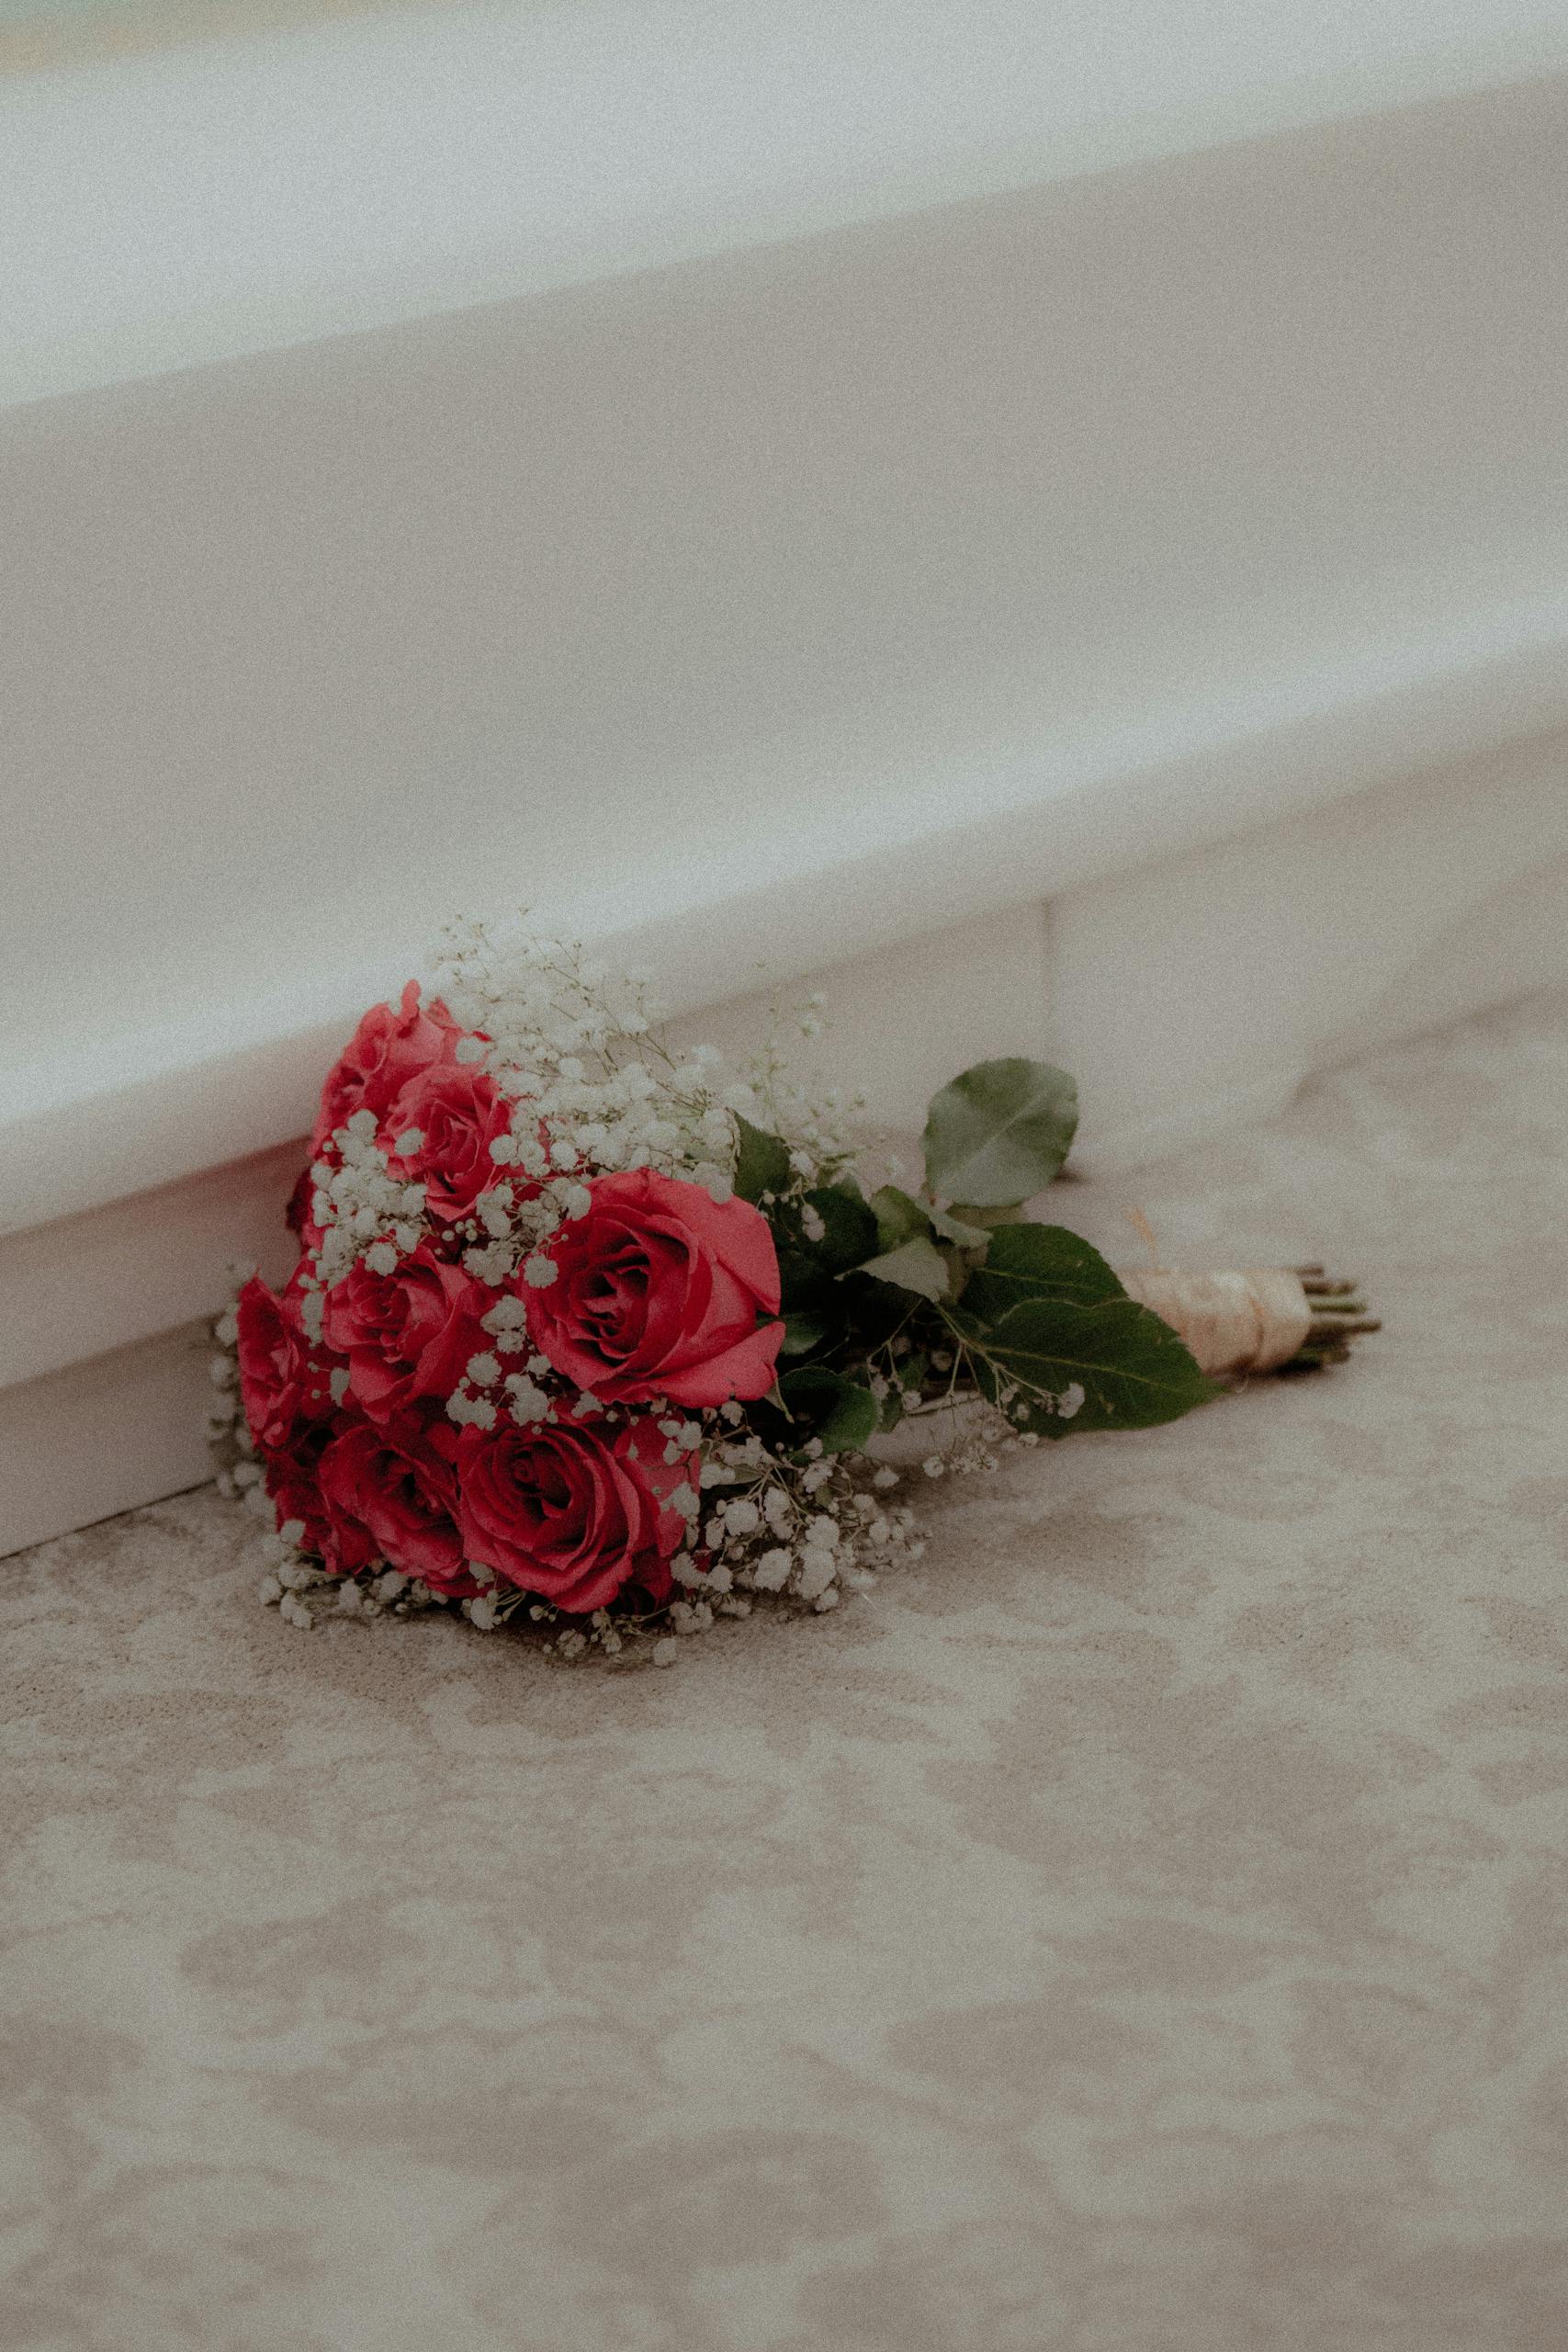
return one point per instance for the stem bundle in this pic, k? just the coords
(1268, 1318)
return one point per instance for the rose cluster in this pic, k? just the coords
(469, 1416)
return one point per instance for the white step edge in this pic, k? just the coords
(76, 1133)
(169, 211)
(1191, 996)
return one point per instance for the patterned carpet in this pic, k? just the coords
(1141, 1927)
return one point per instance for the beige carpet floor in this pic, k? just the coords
(1141, 1927)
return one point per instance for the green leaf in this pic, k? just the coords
(899, 1217)
(1132, 1370)
(954, 1229)
(999, 1134)
(801, 1282)
(808, 1269)
(1038, 1261)
(803, 1331)
(917, 1265)
(761, 1163)
(850, 1230)
(843, 1415)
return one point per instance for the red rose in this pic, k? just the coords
(573, 1510)
(458, 1112)
(292, 1482)
(657, 1293)
(385, 1050)
(389, 1494)
(297, 1215)
(281, 1383)
(406, 1334)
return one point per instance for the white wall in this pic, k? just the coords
(1032, 535)
(237, 196)
(777, 603)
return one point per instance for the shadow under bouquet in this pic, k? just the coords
(607, 1342)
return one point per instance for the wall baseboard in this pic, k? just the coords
(104, 1436)
(1201, 991)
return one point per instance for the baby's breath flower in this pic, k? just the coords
(816, 1573)
(529, 1402)
(770, 1573)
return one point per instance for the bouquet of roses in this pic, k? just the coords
(611, 1341)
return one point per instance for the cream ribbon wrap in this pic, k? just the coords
(1233, 1323)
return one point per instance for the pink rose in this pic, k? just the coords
(389, 1494)
(458, 1112)
(573, 1510)
(657, 1292)
(281, 1383)
(385, 1050)
(406, 1334)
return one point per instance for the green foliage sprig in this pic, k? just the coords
(900, 1303)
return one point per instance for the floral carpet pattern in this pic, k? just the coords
(1142, 1926)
